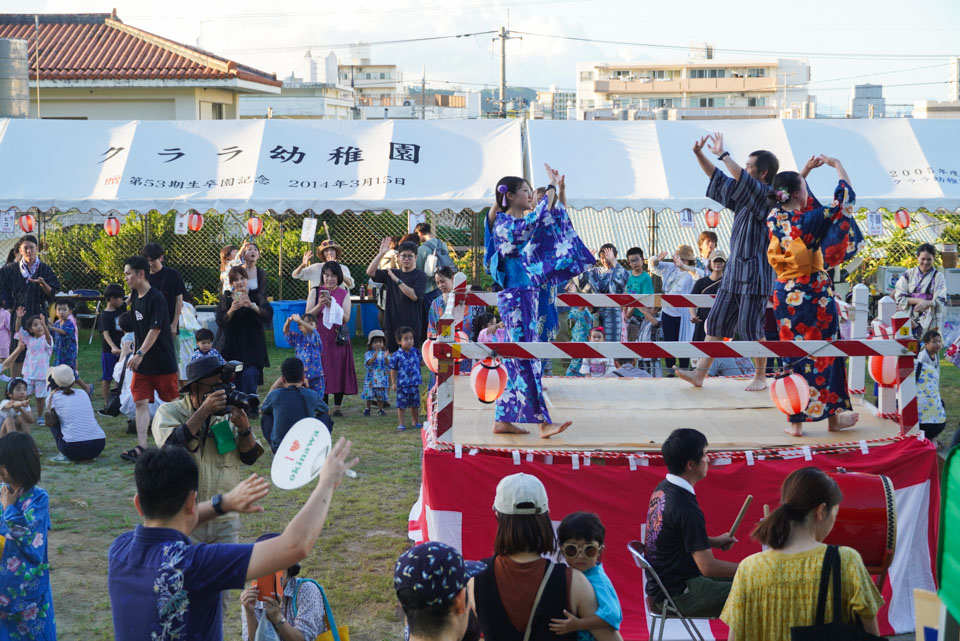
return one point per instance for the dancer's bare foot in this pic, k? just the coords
(552, 429)
(756, 385)
(795, 429)
(842, 421)
(503, 427)
(694, 377)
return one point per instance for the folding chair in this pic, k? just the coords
(668, 608)
(90, 293)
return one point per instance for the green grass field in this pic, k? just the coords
(366, 529)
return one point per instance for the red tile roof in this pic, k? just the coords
(98, 46)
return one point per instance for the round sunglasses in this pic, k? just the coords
(589, 550)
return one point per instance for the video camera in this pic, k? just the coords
(235, 397)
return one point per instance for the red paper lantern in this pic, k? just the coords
(790, 394)
(902, 218)
(112, 226)
(428, 358)
(27, 222)
(884, 370)
(195, 221)
(488, 378)
(254, 226)
(713, 218)
(461, 337)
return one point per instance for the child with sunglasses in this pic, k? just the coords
(581, 535)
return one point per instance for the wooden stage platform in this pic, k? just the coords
(637, 414)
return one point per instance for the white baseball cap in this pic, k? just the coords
(520, 494)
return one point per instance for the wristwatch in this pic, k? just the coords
(245, 432)
(282, 621)
(217, 503)
(723, 155)
(139, 352)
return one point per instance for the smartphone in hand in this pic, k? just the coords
(268, 586)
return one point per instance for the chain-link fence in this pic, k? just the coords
(85, 257)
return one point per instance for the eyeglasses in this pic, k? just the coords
(408, 256)
(589, 550)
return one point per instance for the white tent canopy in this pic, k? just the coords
(254, 164)
(898, 163)
(103, 166)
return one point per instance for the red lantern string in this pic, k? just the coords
(254, 226)
(112, 226)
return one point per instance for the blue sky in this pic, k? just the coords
(275, 38)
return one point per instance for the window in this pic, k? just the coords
(757, 102)
(708, 73)
(662, 74)
(757, 72)
(586, 75)
(382, 76)
(707, 102)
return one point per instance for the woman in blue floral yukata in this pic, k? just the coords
(522, 252)
(26, 602)
(802, 245)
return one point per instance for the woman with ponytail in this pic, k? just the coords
(803, 244)
(528, 245)
(777, 589)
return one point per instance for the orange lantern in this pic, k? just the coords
(27, 222)
(884, 370)
(195, 221)
(902, 218)
(713, 218)
(488, 379)
(254, 226)
(790, 393)
(428, 358)
(112, 226)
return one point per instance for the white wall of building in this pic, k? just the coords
(133, 103)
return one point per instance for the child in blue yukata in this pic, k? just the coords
(64, 331)
(375, 381)
(581, 535)
(405, 377)
(204, 339)
(309, 349)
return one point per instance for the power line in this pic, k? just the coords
(649, 45)
(347, 45)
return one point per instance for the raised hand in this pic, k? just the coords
(385, 245)
(716, 147)
(829, 161)
(699, 144)
(243, 498)
(553, 176)
(307, 255)
(812, 163)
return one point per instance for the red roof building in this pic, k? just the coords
(93, 66)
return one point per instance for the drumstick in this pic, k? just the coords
(743, 511)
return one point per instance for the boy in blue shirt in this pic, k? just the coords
(163, 586)
(581, 535)
(405, 377)
(288, 402)
(204, 338)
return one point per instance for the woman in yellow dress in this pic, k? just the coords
(777, 589)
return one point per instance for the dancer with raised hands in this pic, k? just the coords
(802, 245)
(524, 251)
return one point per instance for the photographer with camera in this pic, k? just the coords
(210, 421)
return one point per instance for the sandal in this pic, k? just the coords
(133, 453)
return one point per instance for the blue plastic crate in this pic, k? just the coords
(282, 310)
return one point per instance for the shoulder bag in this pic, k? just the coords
(837, 630)
(333, 633)
(536, 602)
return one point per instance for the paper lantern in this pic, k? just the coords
(884, 370)
(195, 221)
(254, 226)
(713, 218)
(790, 394)
(112, 226)
(461, 337)
(902, 218)
(488, 379)
(428, 358)
(27, 222)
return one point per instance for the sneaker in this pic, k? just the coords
(337, 413)
(60, 458)
(401, 428)
(40, 421)
(418, 426)
(366, 412)
(381, 413)
(102, 412)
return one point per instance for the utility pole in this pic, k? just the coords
(423, 93)
(36, 57)
(503, 36)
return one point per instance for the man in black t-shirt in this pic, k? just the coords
(154, 364)
(167, 281)
(677, 545)
(405, 289)
(110, 335)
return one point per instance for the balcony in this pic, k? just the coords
(687, 85)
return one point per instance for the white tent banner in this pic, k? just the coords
(255, 164)
(892, 163)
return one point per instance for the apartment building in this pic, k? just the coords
(696, 88)
(866, 101)
(554, 104)
(375, 85)
(317, 94)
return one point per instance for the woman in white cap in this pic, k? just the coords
(519, 592)
(71, 419)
